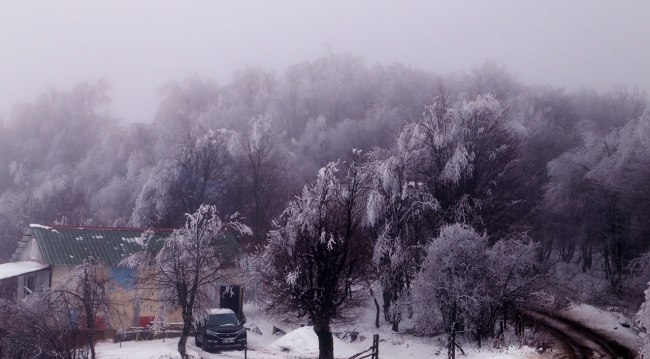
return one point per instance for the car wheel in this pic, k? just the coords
(196, 340)
(206, 347)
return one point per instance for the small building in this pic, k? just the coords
(47, 254)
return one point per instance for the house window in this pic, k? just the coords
(34, 249)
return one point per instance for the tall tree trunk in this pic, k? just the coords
(396, 316)
(587, 257)
(325, 340)
(91, 344)
(183, 340)
(88, 301)
(386, 295)
(372, 293)
(377, 315)
(451, 345)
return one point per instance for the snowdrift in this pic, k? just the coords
(304, 342)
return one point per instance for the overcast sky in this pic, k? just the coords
(140, 45)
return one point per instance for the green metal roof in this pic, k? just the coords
(71, 245)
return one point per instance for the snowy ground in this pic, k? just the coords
(608, 323)
(302, 343)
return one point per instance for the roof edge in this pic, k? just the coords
(15, 269)
(35, 225)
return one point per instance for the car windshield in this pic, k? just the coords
(222, 319)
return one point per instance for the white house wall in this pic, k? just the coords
(41, 281)
(26, 255)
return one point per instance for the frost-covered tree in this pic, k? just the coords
(491, 79)
(466, 158)
(60, 127)
(193, 98)
(315, 143)
(199, 171)
(470, 154)
(457, 165)
(465, 283)
(197, 174)
(316, 263)
(602, 190)
(263, 163)
(398, 206)
(250, 93)
(184, 274)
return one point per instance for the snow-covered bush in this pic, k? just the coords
(466, 283)
(62, 321)
(41, 326)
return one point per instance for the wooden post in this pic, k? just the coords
(478, 332)
(375, 345)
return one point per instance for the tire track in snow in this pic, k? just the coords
(578, 341)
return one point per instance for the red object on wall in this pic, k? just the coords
(100, 323)
(144, 321)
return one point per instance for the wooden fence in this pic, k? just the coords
(171, 330)
(372, 352)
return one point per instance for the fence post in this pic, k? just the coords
(375, 340)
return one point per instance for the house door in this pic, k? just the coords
(230, 296)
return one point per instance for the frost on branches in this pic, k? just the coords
(466, 284)
(265, 160)
(469, 155)
(604, 187)
(190, 177)
(62, 321)
(316, 263)
(185, 273)
(446, 169)
(397, 207)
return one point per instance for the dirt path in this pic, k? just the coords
(578, 341)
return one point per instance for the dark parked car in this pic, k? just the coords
(221, 330)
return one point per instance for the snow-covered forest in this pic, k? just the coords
(419, 173)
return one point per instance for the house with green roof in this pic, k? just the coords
(47, 254)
